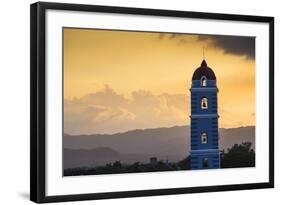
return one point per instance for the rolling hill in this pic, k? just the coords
(139, 145)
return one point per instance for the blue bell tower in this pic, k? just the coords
(204, 152)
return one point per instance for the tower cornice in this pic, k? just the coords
(204, 116)
(203, 89)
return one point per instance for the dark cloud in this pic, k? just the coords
(237, 45)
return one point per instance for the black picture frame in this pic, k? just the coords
(38, 98)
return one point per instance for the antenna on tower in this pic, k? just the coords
(203, 52)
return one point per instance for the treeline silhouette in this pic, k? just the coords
(237, 156)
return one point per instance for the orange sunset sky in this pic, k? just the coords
(115, 81)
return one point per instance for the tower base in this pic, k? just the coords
(204, 159)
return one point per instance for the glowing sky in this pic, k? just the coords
(116, 81)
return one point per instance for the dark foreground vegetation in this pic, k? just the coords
(237, 156)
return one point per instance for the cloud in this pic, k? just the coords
(106, 111)
(102, 97)
(237, 45)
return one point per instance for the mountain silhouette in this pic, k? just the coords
(139, 145)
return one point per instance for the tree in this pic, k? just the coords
(238, 156)
(184, 164)
(117, 164)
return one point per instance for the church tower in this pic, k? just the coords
(204, 119)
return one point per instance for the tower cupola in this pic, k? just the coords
(204, 70)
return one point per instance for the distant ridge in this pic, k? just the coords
(139, 145)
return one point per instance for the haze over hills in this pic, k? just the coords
(139, 145)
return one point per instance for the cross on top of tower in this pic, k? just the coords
(203, 52)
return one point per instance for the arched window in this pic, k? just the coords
(203, 81)
(204, 138)
(204, 103)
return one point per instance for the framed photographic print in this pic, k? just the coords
(129, 102)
